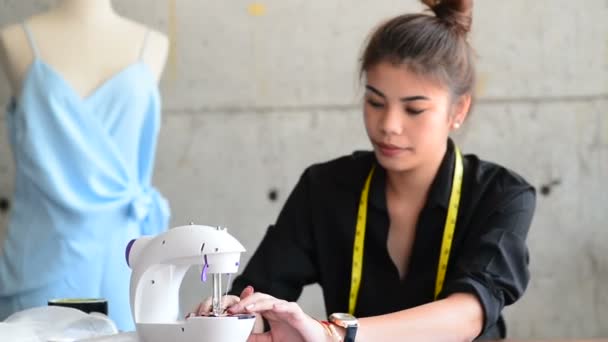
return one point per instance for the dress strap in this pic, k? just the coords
(31, 40)
(144, 45)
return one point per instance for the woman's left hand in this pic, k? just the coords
(287, 320)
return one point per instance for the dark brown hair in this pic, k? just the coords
(430, 45)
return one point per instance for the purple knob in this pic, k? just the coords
(128, 251)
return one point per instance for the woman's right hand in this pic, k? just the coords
(288, 323)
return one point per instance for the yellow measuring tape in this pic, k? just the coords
(446, 244)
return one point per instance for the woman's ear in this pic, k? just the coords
(460, 110)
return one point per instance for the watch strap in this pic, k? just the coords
(351, 332)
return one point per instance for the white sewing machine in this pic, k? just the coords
(159, 264)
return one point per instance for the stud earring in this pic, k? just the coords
(457, 125)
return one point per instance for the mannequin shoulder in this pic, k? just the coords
(14, 40)
(15, 53)
(156, 50)
(13, 36)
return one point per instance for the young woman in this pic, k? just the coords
(418, 241)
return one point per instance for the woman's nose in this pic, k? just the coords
(392, 121)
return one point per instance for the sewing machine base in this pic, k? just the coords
(198, 329)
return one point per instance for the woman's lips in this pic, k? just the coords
(390, 150)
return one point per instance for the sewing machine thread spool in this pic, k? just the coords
(86, 305)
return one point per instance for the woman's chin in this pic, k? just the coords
(397, 163)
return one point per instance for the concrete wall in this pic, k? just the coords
(253, 95)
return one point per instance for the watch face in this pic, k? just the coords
(343, 316)
(343, 319)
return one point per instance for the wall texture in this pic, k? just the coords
(255, 92)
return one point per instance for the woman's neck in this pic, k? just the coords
(414, 184)
(86, 10)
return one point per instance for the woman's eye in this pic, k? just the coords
(375, 104)
(414, 111)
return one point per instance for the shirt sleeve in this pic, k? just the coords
(493, 264)
(284, 261)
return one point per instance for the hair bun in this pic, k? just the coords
(455, 13)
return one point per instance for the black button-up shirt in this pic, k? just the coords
(312, 240)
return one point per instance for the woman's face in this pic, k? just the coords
(408, 117)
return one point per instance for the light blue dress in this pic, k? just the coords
(82, 188)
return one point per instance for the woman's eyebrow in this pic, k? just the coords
(403, 99)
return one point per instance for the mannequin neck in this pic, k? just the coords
(86, 10)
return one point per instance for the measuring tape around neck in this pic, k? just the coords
(446, 243)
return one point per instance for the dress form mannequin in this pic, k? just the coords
(83, 125)
(85, 41)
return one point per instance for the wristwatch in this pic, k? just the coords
(348, 322)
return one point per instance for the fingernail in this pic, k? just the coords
(250, 306)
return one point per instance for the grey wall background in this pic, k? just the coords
(251, 100)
